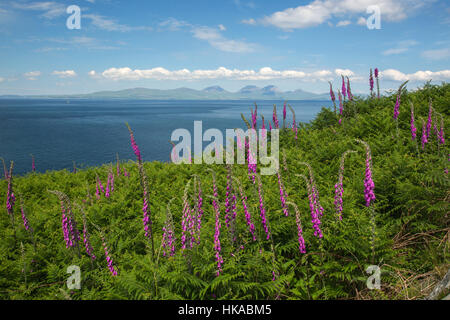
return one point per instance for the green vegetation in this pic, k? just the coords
(410, 242)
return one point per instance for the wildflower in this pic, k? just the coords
(217, 247)
(86, 237)
(333, 97)
(275, 117)
(339, 186)
(441, 132)
(344, 90)
(108, 258)
(369, 186)
(262, 208)
(424, 139)
(413, 127)
(26, 223)
(341, 107)
(283, 195)
(429, 121)
(378, 83)
(315, 217)
(301, 240)
(199, 211)
(168, 240)
(248, 219)
(10, 198)
(349, 91)
(135, 147)
(371, 83)
(284, 115)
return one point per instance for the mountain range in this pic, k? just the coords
(210, 93)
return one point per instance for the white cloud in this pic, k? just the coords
(265, 73)
(438, 54)
(108, 24)
(344, 72)
(249, 21)
(173, 24)
(401, 47)
(395, 75)
(65, 74)
(215, 39)
(343, 23)
(2, 79)
(50, 9)
(32, 75)
(320, 11)
(222, 27)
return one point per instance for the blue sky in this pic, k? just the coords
(231, 43)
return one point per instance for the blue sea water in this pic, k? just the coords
(91, 132)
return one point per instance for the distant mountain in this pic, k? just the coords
(210, 93)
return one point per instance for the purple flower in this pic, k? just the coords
(283, 195)
(248, 219)
(344, 90)
(371, 82)
(369, 186)
(262, 209)
(135, 147)
(397, 107)
(109, 259)
(217, 246)
(413, 127)
(429, 121)
(275, 117)
(349, 92)
(424, 139)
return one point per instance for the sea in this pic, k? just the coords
(59, 132)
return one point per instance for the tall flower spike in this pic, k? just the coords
(168, 239)
(344, 90)
(284, 115)
(371, 83)
(294, 124)
(424, 139)
(217, 247)
(315, 217)
(339, 186)
(86, 236)
(283, 195)
(108, 258)
(135, 147)
(378, 83)
(275, 117)
(429, 121)
(332, 96)
(262, 209)
(349, 91)
(341, 107)
(369, 186)
(413, 127)
(248, 219)
(301, 240)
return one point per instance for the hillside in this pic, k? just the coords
(210, 93)
(399, 223)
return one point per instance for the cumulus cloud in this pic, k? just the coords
(265, 73)
(64, 74)
(438, 54)
(395, 75)
(32, 75)
(321, 11)
(344, 72)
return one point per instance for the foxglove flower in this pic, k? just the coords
(301, 240)
(248, 219)
(135, 147)
(262, 208)
(275, 117)
(371, 83)
(284, 115)
(429, 121)
(332, 96)
(424, 139)
(344, 90)
(217, 247)
(339, 187)
(369, 186)
(283, 195)
(378, 83)
(108, 258)
(413, 127)
(349, 91)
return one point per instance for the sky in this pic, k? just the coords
(231, 43)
